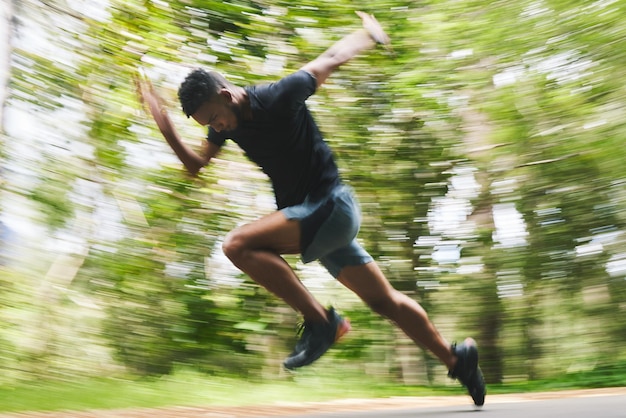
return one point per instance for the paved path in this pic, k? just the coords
(597, 403)
(591, 405)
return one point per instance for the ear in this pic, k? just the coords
(226, 95)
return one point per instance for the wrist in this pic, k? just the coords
(373, 28)
(376, 38)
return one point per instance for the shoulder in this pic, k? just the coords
(296, 87)
(301, 80)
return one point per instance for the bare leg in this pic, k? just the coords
(370, 284)
(255, 249)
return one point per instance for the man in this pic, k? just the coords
(317, 217)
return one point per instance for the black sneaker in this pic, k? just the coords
(316, 339)
(467, 371)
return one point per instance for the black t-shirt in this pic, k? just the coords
(283, 139)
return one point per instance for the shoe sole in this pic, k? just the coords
(472, 358)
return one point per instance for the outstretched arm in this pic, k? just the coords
(346, 48)
(192, 161)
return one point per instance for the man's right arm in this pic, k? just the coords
(192, 161)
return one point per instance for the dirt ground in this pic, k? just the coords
(288, 409)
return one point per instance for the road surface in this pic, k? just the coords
(594, 406)
(597, 403)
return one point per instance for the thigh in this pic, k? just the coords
(339, 260)
(271, 232)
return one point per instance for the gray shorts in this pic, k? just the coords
(328, 230)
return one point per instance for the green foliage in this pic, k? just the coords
(188, 388)
(526, 96)
(52, 196)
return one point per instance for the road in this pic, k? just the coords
(600, 406)
(596, 403)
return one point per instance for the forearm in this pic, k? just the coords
(348, 47)
(341, 52)
(190, 159)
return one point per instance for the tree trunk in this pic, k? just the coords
(7, 28)
(477, 129)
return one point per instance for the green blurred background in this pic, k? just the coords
(486, 148)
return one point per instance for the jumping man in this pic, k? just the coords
(318, 216)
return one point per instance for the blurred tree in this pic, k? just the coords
(548, 86)
(6, 37)
(464, 79)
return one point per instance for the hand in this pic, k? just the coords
(374, 29)
(144, 89)
(148, 96)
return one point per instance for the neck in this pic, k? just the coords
(241, 99)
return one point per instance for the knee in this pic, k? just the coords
(393, 305)
(234, 246)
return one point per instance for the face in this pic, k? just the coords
(219, 114)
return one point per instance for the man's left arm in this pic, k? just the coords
(346, 48)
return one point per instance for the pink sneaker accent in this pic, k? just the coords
(343, 328)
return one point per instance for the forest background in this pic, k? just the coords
(486, 148)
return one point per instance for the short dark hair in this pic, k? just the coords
(200, 86)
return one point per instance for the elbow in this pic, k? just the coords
(193, 167)
(193, 172)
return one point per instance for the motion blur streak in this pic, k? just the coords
(486, 148)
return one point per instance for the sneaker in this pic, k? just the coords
(316, 339)
(467, 371)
